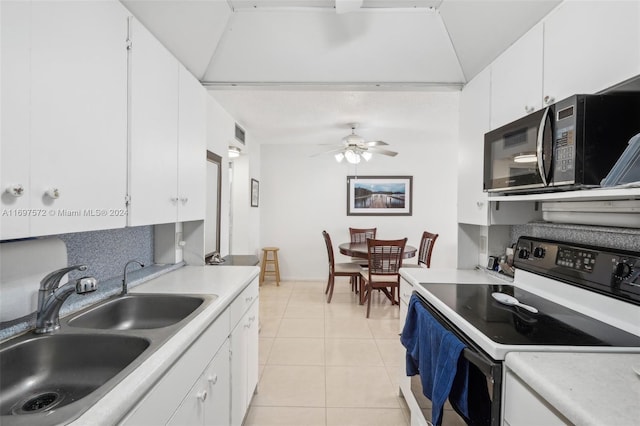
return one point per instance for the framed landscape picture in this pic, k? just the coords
(379, 195)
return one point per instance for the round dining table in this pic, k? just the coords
(360, 250)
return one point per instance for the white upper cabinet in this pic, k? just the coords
(192, 148)
(153, 149)
(15, 143)
(581, 47)
(516, 79)
(475, 109)
(167, 164)
(590, 46)
(73, 97)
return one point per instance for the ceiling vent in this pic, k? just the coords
(240, 136)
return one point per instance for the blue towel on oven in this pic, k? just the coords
(433, 352)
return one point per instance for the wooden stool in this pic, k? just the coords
(270, 261)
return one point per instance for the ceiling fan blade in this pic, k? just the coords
(328, 152)
(376, 143)
(382, 151)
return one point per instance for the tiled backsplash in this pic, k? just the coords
(106, 252)
(619, 238)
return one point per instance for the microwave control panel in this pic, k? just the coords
(564, 150)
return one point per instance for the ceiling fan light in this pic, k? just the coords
(367, 156)
(339, 157)
(234, 152)
(352, 157)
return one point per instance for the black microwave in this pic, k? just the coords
(571, 144)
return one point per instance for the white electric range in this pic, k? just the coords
(588, 300)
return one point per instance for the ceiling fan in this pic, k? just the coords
(354, 148)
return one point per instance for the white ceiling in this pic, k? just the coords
(322, 117)
(298, 70)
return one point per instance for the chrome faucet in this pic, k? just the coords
(124, 278)
(51, 296)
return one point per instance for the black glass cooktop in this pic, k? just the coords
(554, 324)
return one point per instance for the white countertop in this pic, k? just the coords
(452, 276)
(225, 281)
(587, 388)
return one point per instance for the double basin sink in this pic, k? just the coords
(53, 378)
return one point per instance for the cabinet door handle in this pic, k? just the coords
(15, 190)
(53, 193)
(529, 109)
(213, 379)
(248, 299)
(184, 200)
(548, 100)
(174, 200)
(202, 396)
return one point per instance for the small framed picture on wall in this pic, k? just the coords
(255, 192)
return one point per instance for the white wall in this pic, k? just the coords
(303, 195)
(245, 233)
(242, 235)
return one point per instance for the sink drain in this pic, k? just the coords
(38, 403)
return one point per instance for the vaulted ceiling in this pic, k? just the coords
(407, 42)
(292, 71)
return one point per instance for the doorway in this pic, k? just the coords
(213, 206)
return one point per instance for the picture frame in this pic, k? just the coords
(255, 193)
(379, 195)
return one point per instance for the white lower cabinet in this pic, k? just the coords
(523, 407)
(171, 393)
(212, 383)
(244, 353)
(208, 400)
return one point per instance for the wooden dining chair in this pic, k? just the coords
(385, 260)
(347, 269)
(361, 235)
(424, 252)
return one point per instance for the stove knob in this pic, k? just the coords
(523, 253)
(539, 252)
(623, 270)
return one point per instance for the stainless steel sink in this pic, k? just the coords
(138, 311)
(51, 379)
(49, 375)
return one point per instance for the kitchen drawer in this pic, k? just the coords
(242, 303)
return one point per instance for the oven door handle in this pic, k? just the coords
(484, 364)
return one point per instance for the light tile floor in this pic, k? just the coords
(326, 364)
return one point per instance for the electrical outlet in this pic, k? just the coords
(483, 244)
